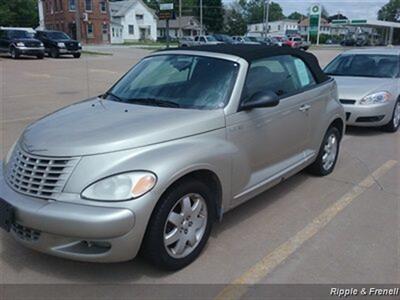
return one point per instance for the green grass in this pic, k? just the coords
(96, 53)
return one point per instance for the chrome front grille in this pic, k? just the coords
(38, 176)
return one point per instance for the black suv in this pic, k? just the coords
(19, 42)
(58, 43)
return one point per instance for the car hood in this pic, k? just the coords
(98, 126)
(356, 88)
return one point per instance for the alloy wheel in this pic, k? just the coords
(330, 152)
(185, 225)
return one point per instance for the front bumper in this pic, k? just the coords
(74, 231)
(69, 51)
(368, 115)
(30, 50)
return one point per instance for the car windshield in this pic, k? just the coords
(364, 65)
(181, 81)
(19, 34)
(57, 35)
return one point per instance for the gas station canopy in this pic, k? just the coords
(370, 23)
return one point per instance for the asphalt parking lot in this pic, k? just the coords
(343, 228)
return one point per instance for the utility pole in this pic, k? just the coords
(266, 29)
(201, 17)
(180, 17)
(78, 20)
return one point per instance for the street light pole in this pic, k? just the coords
(201, 17)
(180, 18)
(266, 29)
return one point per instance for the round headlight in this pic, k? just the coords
(121, 187)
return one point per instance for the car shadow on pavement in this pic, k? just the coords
(363, 131)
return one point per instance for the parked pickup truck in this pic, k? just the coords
(198, 41)
(297, 43)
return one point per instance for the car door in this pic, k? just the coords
(270, 141)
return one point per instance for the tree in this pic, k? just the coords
(390, 11)
(213, 12)
(296, 16)
(19, 13)
(254, 11)
(235, 22)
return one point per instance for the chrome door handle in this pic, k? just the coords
(305, 107)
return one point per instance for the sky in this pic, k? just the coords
(353, 9)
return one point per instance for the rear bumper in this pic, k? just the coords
(368, 115)
(74, 231)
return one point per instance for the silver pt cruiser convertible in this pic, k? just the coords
(183, 137)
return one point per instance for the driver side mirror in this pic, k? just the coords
(261, 99)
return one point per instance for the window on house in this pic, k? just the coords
(89, 30)
(88, 5)
(131, 29)
(61, 5)
(71, 5)
(56, 5)
(113, 32)
(139, 17)
(103, 6)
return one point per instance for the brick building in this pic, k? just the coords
(94, 18)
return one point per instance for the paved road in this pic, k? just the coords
(343, 228)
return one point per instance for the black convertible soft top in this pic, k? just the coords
(256, 52)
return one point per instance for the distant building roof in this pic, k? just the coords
(187, 22)
(120, 8)
(306, 22)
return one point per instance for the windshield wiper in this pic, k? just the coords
(153, 101)
(113, 95)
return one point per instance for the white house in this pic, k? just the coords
(190, 26)
(281, 27)
(132, 20)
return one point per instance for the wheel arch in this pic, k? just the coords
(339, 124)
(208, 177)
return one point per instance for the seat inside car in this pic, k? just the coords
(387, 68)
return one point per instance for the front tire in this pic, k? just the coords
(54, 53)
(394, 123)
(180, 225)
(40, 56)
(328, 154)
(77, 55)
(14, 53)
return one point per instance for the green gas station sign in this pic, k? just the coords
(315, 16)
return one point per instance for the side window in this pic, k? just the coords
(202, 39)
(303, 73)
(196, 38)
(282, 74)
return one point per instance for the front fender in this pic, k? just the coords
(169, 161)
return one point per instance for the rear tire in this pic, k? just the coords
(394, 123)
(171, 246)
(40, 56)
(328, 154)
